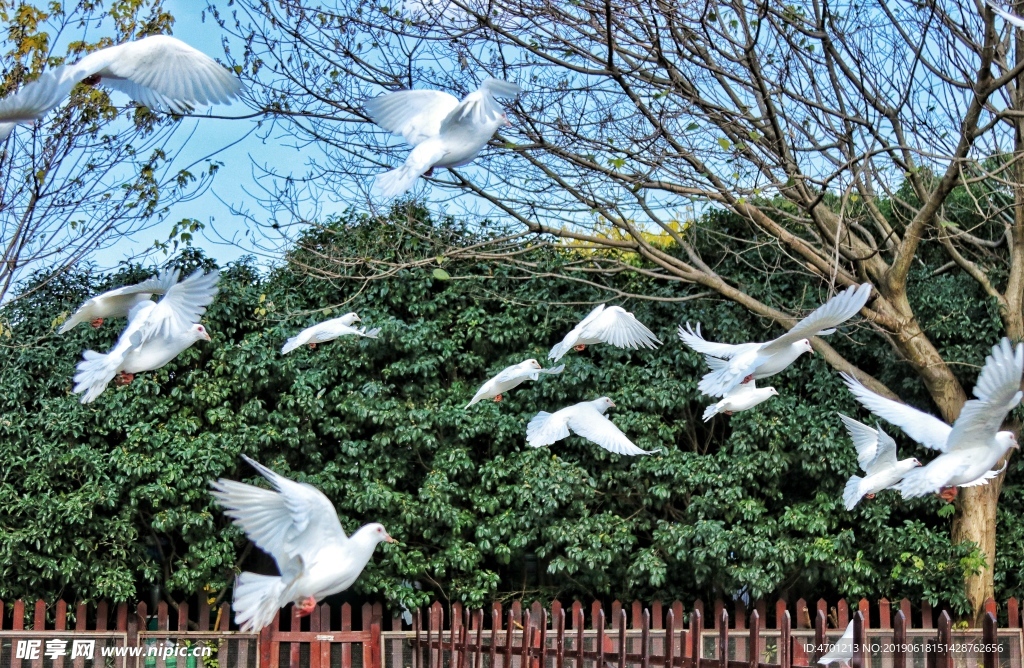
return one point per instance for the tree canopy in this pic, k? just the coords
(103, 500)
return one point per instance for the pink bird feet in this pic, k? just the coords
(97, 323)
(580, 347)
(305, 607)
(948, 494)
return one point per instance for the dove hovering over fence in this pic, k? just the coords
(159, 72)
(298, 526)
(612, 325)
(973, 445)
(734, 364)
(876, 454)
(745, 396)
(157, 332)
(585, 419)
(511, 377)
(328, 330)
(443, 131)
(119, 302)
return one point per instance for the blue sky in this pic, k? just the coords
(235, 144)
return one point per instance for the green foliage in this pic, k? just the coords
(102, 500)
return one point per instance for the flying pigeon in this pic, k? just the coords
(876, 454)
(511, 377)
(744, 396)
(159, 72)
(612, 325)
(734, 364)
(973, 445)
(328, 330)
(118, 302)
(842, 651)
(586, 419)
(298, 526)
(157, 332)
(443, 131)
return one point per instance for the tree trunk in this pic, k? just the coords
(975, 521)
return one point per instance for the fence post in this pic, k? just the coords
(696, 626)
(645, 639)
(580, 627)
(785, 639)
(559, 638)
(754, 649)
(819, 636)
(495, 625)
(858, 640)
(509, 637)
(670, 641)
(899, 640)
(990, 638)
(622, 638)
(375, 640)
(598, 622)
(723, 638)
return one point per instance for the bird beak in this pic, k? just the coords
(389, 539)
(612, 403)
(206, 336)
(507, 122)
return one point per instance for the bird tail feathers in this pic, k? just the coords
(75, 318)
(257, 599)
(710, 412)
(94, 372)
(719, 382)
(294, 342)
(543, 431)
(396, 182)
(560, 349)
(916, 483)
(369, 333)
(853, 492)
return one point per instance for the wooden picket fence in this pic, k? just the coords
(631, 636)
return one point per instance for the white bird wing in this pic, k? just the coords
(831, 314)
(182, 305)
(697, 342)
(865, 440)
(34, 99)
(621, 329)
(96, 308)
(843, 649)
(988, 475)
(1007, 16)
(926, 429)
(885, 455)
(588, 422)
(414, 114)
(480, 107)
(294, 521)
(162, 73)
(997, 391)
(570, 339)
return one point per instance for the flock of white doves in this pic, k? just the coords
(296, 523)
